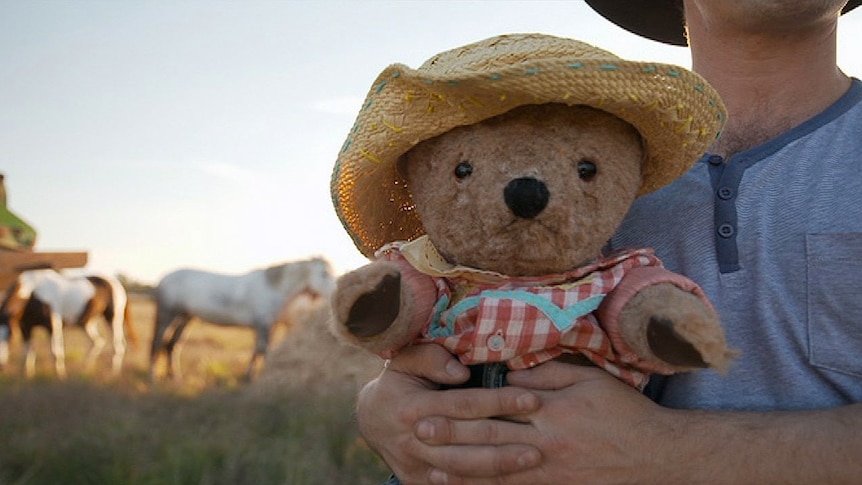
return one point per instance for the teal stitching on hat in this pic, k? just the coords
(354, 130)
(368, 103)
(576, 65)
(608, 67)
(673, 73)
(396, 74)
(649, 69)
(494, 77)
(452, 83)
(380, 87)
(699, 88)
(532, 70)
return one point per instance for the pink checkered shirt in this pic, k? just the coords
(526, 321)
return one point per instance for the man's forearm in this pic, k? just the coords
(805, 447)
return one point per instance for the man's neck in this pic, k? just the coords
(769, 82)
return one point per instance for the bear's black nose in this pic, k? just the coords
(526, 197)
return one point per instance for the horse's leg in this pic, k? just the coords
(58, 346)
(5, 336)
(4, 353)
(261, 343)
(97, 343)
(164, 318)
(174, 360)
(29, 359)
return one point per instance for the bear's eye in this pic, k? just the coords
(586, 169)
(463, 170)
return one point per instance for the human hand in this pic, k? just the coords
(389, 407)
(590, 428)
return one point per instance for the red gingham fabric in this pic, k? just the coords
(483, 323)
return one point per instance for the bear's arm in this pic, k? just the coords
(662, 322)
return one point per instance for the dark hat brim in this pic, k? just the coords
(659, 20)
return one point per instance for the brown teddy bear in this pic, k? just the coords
(485, 185)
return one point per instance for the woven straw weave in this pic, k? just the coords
(676, 112)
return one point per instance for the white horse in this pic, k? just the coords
(47, 298)
(254, 299)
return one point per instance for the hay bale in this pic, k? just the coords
(311, 360)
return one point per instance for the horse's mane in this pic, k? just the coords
(275, 273)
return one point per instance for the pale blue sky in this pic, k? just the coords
(159, 134)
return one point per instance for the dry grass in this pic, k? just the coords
(210, 356)
(207, 428)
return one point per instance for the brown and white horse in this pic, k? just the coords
(47, 298)
(253, 299)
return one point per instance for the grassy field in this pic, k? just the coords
(206, 428)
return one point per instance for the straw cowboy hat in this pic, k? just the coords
(676, 112)
(660, 20)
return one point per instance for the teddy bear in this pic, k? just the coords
(485, 185)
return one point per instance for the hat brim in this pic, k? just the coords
(676, 112)
(659, 20)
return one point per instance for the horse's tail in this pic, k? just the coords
(119, 301)
(131, 334)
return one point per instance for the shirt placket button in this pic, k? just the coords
(497, 342)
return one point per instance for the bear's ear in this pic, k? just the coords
(643, 152)
(401, 164)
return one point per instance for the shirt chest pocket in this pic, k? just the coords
(835, 301)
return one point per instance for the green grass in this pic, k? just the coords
(88, 432)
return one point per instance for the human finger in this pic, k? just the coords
(397, 399)
(481, 403)
(439, 430)
(481, 464)
(431, 362)
(554, 375)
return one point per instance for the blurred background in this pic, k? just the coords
(161, 134)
